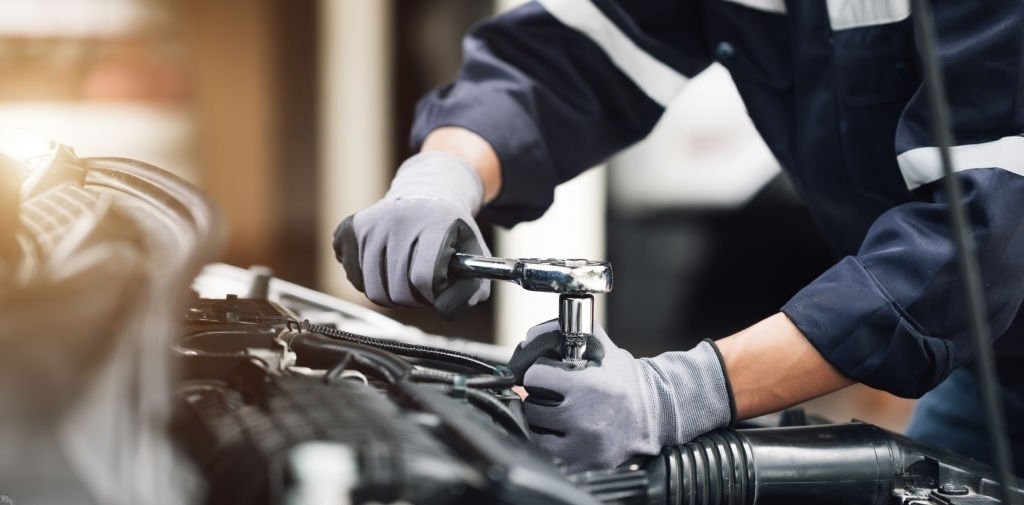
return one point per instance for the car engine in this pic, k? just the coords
(134, 374)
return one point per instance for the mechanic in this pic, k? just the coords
(835, 89)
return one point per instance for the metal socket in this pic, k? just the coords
(576, 322)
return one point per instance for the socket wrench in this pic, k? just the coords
(575, 280)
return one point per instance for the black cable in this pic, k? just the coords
(393, 370)
(405, 349)
(478, 382)
(320, 352)
(343, 357)
(970, 273)
(497, 410)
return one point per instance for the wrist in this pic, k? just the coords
(441, 176)
(472, 148)
(772, 365)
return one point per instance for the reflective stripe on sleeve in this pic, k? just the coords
(923, 165)
(657, 80)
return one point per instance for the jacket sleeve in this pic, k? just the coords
(557, 86)
(893, 316)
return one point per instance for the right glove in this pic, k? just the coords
(398, 250)
(616, 407)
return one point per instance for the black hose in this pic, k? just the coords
(842, 464)
(478, 382)
(410, 350)
(970, 273)
(497, 410)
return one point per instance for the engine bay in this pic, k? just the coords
(273, 388)
(153, 379)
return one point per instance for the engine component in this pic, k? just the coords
(575, 281)
(247, 413)
(850, 464)
(96, 253)
(771, 460)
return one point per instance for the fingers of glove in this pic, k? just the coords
(454, 294)
(373, 260)
(401, 254)
(482, 293)
(597, 344)
(548, 418)
(578, 453)
(577, 445)
(541, 329)
(547, 345)
(553, 375)
(552, 444)
(457, 297)
(433, 249)
(346, 250)
(576, 385)
(601, 337)
(601, 348)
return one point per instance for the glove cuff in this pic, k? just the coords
(441, 176)
(733, 416)
(688, 392)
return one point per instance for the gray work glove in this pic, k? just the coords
(616, 407)
(398, 250)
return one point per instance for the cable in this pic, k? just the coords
(344, 357)
(381, 362)
(335, 371)
(404, 349)
(498, 411)
(478, 382)
(924, 29)
(317, 351)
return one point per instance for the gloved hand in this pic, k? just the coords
(617, 406)
(397, 251)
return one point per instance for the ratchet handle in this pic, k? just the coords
(563, 276)
(484, 267)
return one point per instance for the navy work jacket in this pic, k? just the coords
(835, 89)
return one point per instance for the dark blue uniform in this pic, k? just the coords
(835, 89)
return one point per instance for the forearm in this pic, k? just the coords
(473, 149)
(771, 366)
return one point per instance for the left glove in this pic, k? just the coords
(398, 250)
(617, 406)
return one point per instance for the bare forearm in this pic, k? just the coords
(472, 148)
(771, 366)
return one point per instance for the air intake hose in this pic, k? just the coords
(851, 464)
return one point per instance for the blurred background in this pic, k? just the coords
(294, 114)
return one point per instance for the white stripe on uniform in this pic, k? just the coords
(776, 6)
(923, 165)
(847, 14)
(656, 79)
